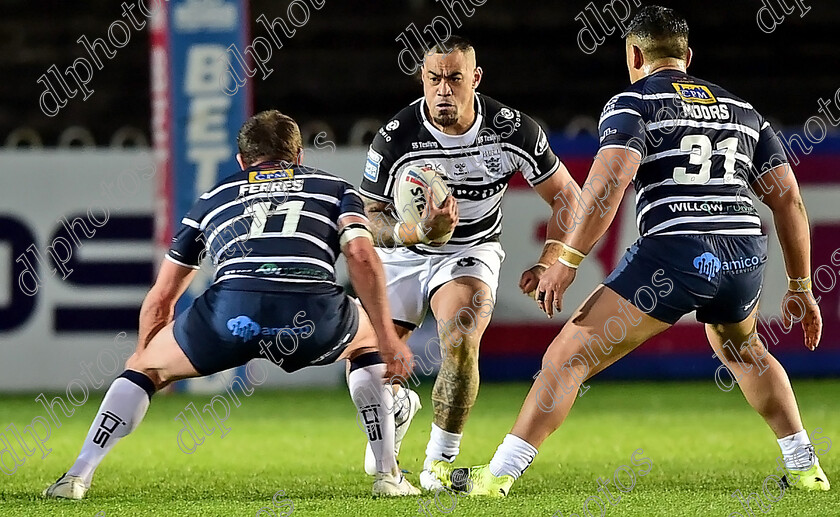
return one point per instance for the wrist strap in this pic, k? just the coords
(799, 285)
(567, 263)
(398, 237)
(571, 257)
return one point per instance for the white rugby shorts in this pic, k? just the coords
(411, 278)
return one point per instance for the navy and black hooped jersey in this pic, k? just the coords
(268, 226)
(701, 149)
(476, 166)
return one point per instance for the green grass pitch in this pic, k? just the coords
(704, 445)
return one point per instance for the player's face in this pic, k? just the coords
(449, 82)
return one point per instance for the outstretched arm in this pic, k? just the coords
(791, 222)
(594, 211)
(368, 279)
(555, 191)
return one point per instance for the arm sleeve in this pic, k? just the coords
(351, 204)
(377, 181)
(769, 152)
(186, 247)
(621, 125)
(541, 162)
(188, 243)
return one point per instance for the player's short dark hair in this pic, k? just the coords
(661, 31)
(453, 43)
(445, 47)
(269, 135)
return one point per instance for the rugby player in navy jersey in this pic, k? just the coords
(691, 149)
(274, 231)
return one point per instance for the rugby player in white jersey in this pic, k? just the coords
(476, 144)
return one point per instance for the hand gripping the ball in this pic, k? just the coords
(440, 221)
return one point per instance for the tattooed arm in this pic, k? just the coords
(383, 223)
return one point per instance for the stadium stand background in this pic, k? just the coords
(341, 66)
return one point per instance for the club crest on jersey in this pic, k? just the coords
(694, 93)
(492, 160)
(277, 174)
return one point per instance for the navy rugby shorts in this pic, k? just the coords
(668, 276)
(225, 328)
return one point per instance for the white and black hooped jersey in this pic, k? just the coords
(701, 149)
(476, 166)
(268, 227)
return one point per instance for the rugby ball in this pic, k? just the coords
(415, 187)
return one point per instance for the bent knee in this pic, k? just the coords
(456, 339)
(754, 353)
(576, 365)
(134, 362)
(137, 363)
(569, 343)
(749, 353)
(464, 322)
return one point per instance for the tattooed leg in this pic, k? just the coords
(462, 307)
(456, 386)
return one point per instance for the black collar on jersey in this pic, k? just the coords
(669, 70)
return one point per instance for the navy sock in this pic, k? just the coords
(368, 359)
(141, 380)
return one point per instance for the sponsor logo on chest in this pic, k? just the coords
(424, 145)
(694, 93)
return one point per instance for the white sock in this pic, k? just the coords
(401, 405)
(512, 457)
(443, 445)
(796, 451)
(373, 399)
(121, 411)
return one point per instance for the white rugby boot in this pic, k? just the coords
(66, 487)
(392, 485)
